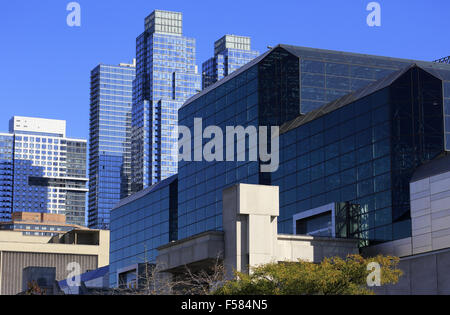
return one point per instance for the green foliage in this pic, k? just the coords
(334, 276)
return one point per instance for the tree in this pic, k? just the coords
(334, 276)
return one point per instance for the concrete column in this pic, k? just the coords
(250, 224)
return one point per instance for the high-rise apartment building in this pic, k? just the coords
(110, 139)
(166, 76)
(230, 53)
(41, 170)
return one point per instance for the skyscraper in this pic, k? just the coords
(110, 139)
(166, 76)
(41, 170)
(230, 53)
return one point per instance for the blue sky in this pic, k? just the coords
(46, 64)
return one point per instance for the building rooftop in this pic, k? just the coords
(331, 56)
(146, 191)
(20, 124)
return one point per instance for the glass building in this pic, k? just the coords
(352, 157)
(166, 76)
(110, 140)
(360, 153)
(42, 170)
(141, 223)
(273, 89)
(230, 53)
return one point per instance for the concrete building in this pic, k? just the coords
(42, 170)
(426, 254)
(249, 238)
(39, 224)
(88, 248)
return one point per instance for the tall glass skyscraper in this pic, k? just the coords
(166, 76)
(110, 140)
(41, 170)
(230, 53)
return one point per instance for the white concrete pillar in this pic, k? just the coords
(250, 224)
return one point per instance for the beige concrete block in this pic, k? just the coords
(440, 186)
(421, 250)
(420, 204)
(440, 205)
(257, 199)
(420, 186)
(425, 230)
(421, 241)
(421, 222)
(440, 224)
(441, 242)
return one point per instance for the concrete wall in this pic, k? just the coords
(399, 248)
(313, 249)
(423, 274)
(430, 212)
(13, 263)
(203, 248)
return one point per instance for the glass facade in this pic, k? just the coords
(6, 176)
(329, 75)
(166, 76)
(110, 140)
(358, 153)
(446, 83)
(363, 153)
(231, 52)
(142, 223)
(266, 92)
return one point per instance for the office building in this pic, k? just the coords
(348, 154)
(39, 224)
(230, 53)
(166, 76)
(88, 248)
(110, 140)
(42, 170)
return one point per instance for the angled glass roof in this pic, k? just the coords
(334, 56)
(147, 191)
(345, 100)
(227, 78)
